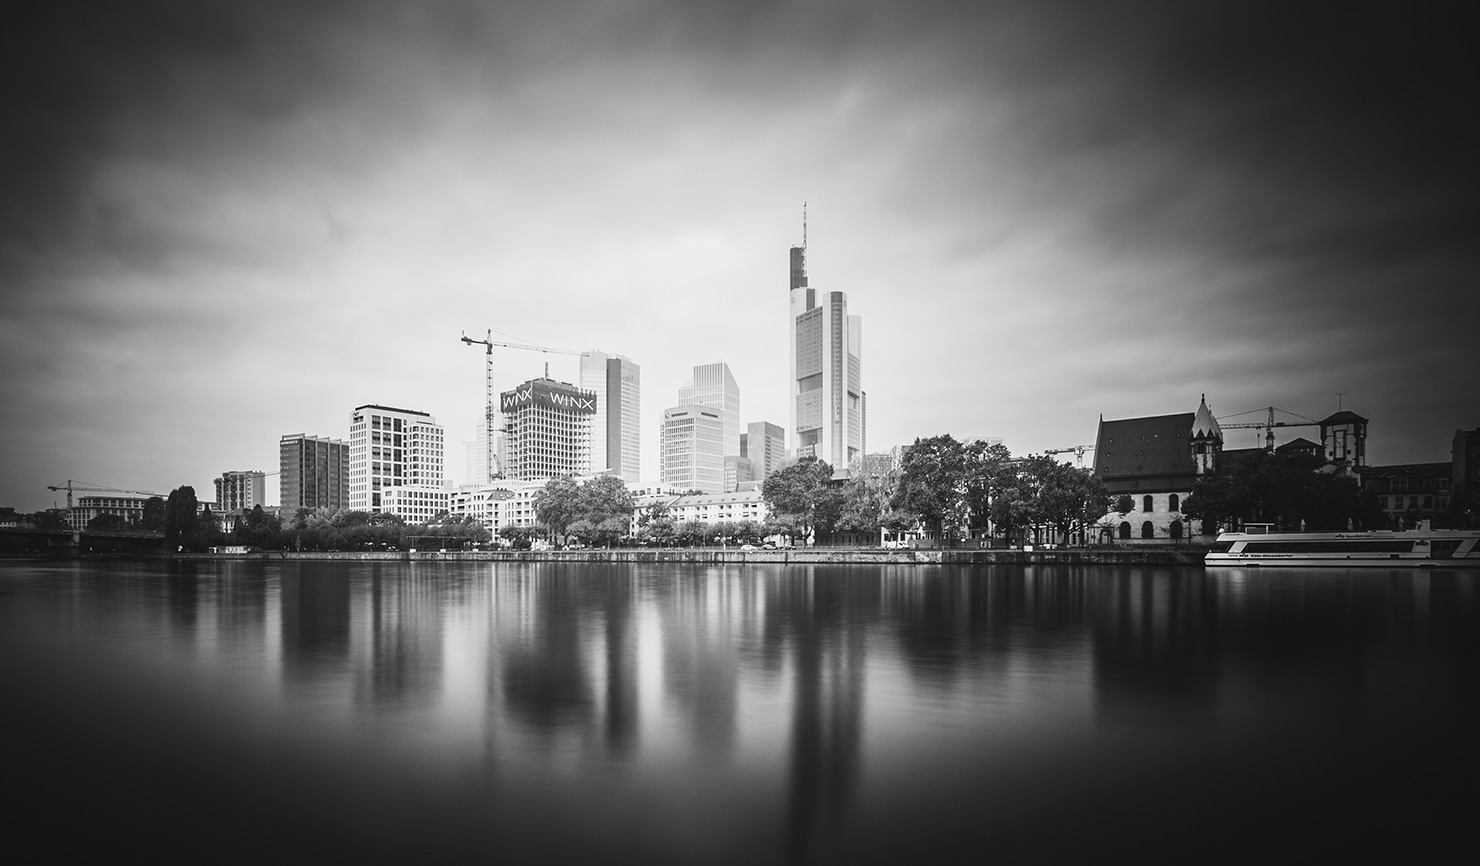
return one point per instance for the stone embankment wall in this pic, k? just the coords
(1073, 556)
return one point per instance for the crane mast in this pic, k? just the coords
(490, 404)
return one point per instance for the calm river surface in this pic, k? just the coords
(671, 713)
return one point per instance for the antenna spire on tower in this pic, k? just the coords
(804, 225)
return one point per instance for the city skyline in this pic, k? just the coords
(226, 224)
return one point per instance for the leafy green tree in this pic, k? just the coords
(805, 492)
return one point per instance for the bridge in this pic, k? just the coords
(73, 544)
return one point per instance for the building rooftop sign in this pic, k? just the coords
(545, 392)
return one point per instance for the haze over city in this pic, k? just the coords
(228, 222)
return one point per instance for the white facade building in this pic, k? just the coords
(713, 386)
(241, 491)
(827, 403)
(391, 448)
(692, 449)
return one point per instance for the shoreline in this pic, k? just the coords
(707, 556)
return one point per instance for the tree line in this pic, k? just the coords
(944, 489)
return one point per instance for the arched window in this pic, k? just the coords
(1175, 530)
(1146, 503)
(1174, 504)
(1125, 530)
(1147, 530)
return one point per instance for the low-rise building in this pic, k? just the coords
(1410, 492)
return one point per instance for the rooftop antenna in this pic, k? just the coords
(1338, 400)
(804, 225)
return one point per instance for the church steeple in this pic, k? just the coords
(1206, 439)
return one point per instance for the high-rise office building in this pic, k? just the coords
(390, 448)
(826, 386)
(764, 444)
(240, 491)
(616, 382)
(713, 385)
(691, 453)
(313, 472)
(547, 430)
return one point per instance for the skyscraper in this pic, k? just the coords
(765, 444)
(616, 382)
(313, 473)
(714, 386)
(826, 385)
(690, 454)
(547, 430)
(391, 448)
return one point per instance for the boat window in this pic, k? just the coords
(1350, 545)
(1222, 546)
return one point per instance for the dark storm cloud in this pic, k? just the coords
(1255, 192)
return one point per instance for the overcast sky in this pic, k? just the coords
(222, 223)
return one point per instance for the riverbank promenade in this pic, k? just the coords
(1127, 555)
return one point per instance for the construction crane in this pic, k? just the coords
(84, 487)
(490, 409)
(1268, 425)
(1077, 449)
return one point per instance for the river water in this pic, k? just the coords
(684, 713)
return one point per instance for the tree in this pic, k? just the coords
(596, 502)
(989, 470)
(932, 485)
(1292, 491)
(1069, 498)
(107, 523)
(180, 517)
(153, 518)
(804, 491)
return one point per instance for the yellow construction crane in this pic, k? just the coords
(490, 408)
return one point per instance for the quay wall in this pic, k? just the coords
(706, 556)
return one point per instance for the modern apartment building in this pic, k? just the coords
(389, 448)
(827, 402)
(547, 430)
(615, 441)
(313, 473)
(691, 450)
(241, 491)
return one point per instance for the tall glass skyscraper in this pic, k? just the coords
(827, 402)
(701, 431)
(615, 442)
(714, 386)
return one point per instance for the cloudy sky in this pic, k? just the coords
(221, 223)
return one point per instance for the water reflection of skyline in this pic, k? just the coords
(814, 696)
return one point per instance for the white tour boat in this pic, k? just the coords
(1421, 547)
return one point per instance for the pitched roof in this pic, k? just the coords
(1205, 426)
(1299, 443)
(1343, 417)
(1149, 447)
